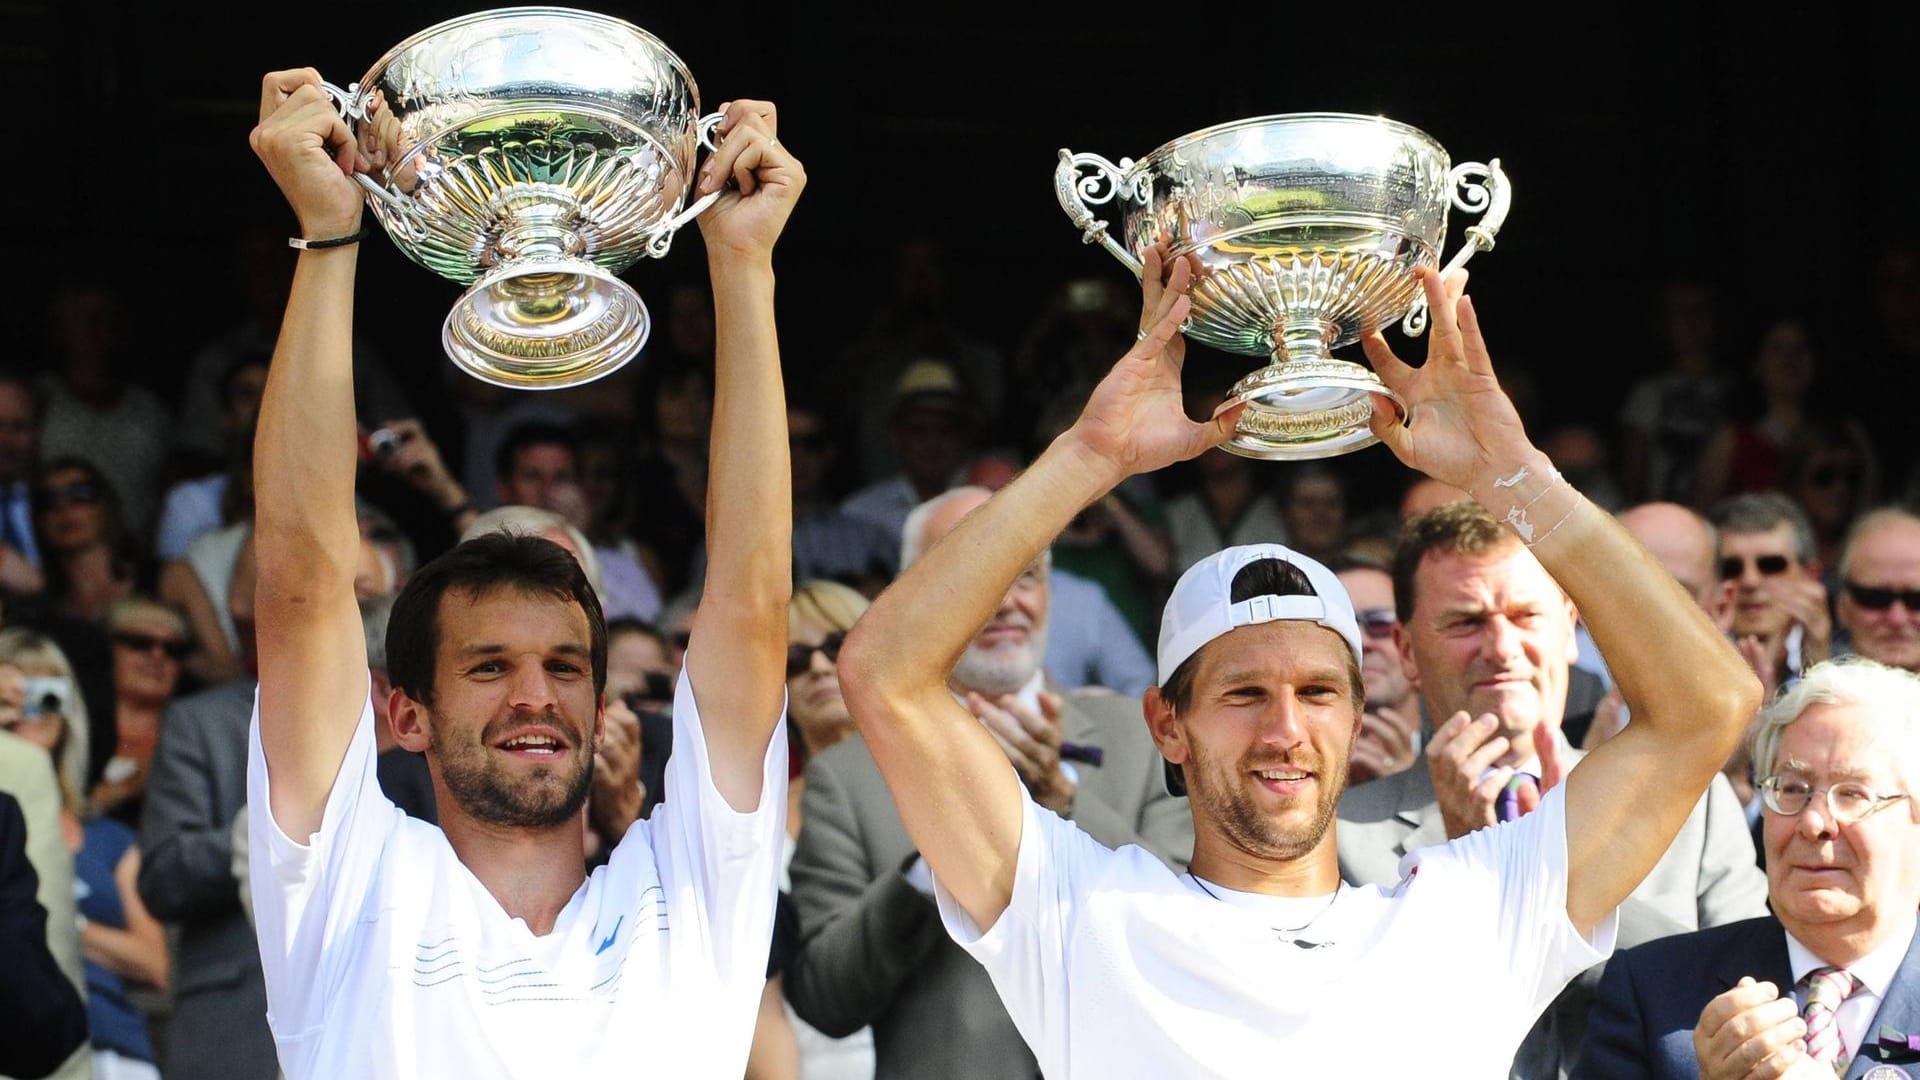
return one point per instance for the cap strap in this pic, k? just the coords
(1264, 609)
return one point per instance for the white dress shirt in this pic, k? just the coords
(1875, 972)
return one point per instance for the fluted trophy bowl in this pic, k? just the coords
(532, 153)
(1307, 229)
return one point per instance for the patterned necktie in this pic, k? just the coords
(1826, 988)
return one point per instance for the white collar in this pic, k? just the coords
(1874, 970)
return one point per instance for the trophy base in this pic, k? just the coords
(1306, 408)
(545, 322)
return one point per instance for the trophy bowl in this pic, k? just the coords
(533, 154)
(1307, 229)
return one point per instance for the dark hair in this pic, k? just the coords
(1261, 577)
(1458, 528)
(627, 624)
(533, 433)
(112, 533)
(486, 564)
(1765, 511)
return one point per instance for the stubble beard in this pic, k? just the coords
(1253, 831)
(479, 783)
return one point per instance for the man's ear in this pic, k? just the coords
(411, 721)
(1403, 641)
(1573, 632)
(1164, 724)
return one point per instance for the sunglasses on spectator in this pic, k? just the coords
(1377, 623)
(1769, 565)
(82, 494)
(146, 643)
(800, 657)
(1874, 598)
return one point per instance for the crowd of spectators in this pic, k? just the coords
(126, 658)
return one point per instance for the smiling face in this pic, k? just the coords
(1490, 633)
(1265, 737)
(1830, 882)
(515, 717)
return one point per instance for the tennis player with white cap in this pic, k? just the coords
(1259, 962)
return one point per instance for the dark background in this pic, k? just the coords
(1770, 154)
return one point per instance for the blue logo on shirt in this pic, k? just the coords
(608, 944)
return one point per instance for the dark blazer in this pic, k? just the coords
(45, 1020)
(195, 787)
(872, 949)
(1652, 996)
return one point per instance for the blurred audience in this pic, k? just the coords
(1391, 728)
(1669, 416)
(90, 411)
(930, 423)
(85, 553)
(149, 643)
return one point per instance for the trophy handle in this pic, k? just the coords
(662, 237)
(1477, 189)
(1075, 192)
(354, 109)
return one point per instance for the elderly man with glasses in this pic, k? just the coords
(1829, 984)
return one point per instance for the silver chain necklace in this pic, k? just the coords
(1287, 934)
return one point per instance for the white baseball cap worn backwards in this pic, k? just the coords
(1201, 606)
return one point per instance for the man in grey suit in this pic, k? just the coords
(195, 788)
(1485, 630)
(872, 950)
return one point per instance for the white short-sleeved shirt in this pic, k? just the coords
(1112, 966)
(385, 957)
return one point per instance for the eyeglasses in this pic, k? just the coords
(1377, 623)
(1874, 598)
(81, 494)
(1769, 565)
(146, 643)
(1847, 803)
(800, 657)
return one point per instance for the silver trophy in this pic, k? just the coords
(533, 153)
(1307, 228)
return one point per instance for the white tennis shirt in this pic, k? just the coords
(1111, 966)
(385, 957)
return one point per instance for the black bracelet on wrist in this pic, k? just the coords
(304, 244)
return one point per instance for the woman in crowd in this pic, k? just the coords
(149, 642)
(124, 946)
(818, 618)
(83, 550)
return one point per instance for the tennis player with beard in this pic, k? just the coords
(395, 949)
(1258, 960)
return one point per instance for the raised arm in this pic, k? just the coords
(313, 658)
(1690, 693)
(957, 793)
(736, 658)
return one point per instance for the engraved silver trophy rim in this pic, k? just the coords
(533, 153)
(1307, 228)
